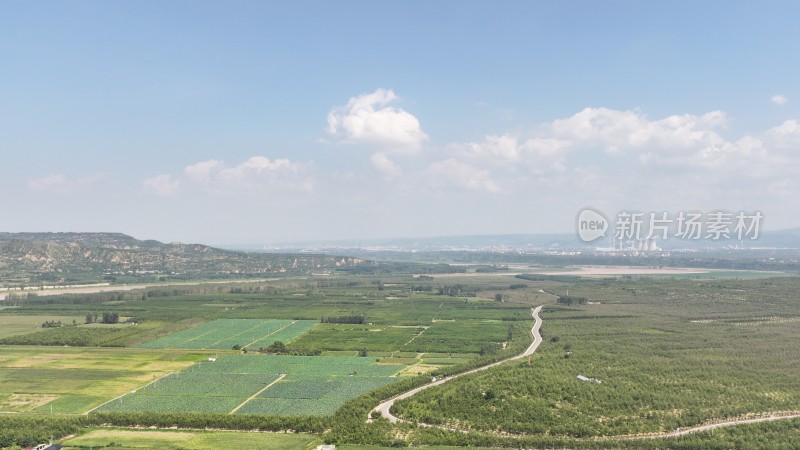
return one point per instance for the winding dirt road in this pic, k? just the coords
(709, 426)
(385, 407)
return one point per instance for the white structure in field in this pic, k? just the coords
(583, 378)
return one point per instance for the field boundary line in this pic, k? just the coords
(211, 347)
(198, 336)
(123, 395)
(424, 329)
(270, 334)
(280, 377)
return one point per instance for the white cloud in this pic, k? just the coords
(385, 165)
(201, 172)
(47, 183)
(493, 147)
(61, 184)
(369, 119)
(452, 172)
(256, 166)
(593, 132)
(540, 154)
(161, 185)
(672, 146)
(617, 131)
(256, 175)
(785, 135)
(779, 100)
(628, 158)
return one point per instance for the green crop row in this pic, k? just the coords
(225, 333)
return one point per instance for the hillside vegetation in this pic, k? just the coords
(52, 258)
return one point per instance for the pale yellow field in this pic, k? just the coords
(190, 440)
(11, 325)
(75, 380)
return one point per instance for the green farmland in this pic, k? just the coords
(671, 352)
(12, 325)
(74, 380)
(223, 334)
(189, 440)
(295, 385)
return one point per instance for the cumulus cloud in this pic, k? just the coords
(61, 184)
(201, 172)
(595, 133)
(619, 131)
(161, 185)
(369, 119)
(785, 135)
(493, 147)
(540, 154)
(256, 175)
(686, 156)
(452, 172)
(385, 165)
(779, 100)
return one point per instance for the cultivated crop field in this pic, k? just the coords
(298, 385)
(11, 325)
(194, 440)
(671, 352)
(74, 380)
(223, 334)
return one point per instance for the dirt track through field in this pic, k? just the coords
(385, 407)
(280, 377)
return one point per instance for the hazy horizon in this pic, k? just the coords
(306, 121)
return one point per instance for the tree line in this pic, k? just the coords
(359, 319)
(571, 300)
(106, 317)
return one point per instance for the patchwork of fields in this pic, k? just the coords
(295, 385)
(223, 334)
(670, 353)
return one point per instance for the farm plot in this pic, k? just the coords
(312, 396)
(195, 440)
(308, 385)
(12, 325)
(75, 380)
(225, 333)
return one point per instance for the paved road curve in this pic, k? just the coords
(385, 407)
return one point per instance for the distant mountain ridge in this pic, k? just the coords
(787, 238)
(30, 256)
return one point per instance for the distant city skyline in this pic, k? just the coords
(252, 122)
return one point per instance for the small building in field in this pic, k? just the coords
(584, 378)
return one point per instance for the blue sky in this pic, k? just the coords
(233, 122)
